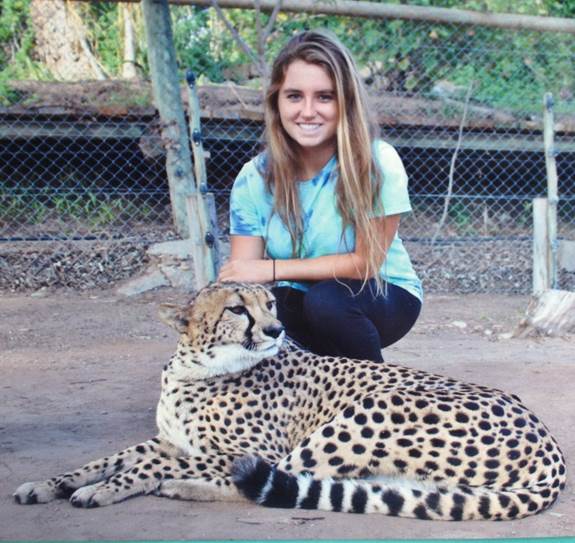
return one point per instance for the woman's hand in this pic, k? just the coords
(247, 271)
(246, 263)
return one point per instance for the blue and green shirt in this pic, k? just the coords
(251, 214)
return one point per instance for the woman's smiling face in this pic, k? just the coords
(308, 108)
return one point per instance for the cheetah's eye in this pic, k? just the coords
(237, 309)
(271, 304)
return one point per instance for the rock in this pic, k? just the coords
(179, 276)
(180, 249)
(40, 293)
(153, 278)
(458, 324)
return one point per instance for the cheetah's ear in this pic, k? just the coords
(175, 316)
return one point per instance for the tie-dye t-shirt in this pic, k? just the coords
(251, 214)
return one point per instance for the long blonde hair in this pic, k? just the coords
(359, 184)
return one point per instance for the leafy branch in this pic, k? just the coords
(257, 56)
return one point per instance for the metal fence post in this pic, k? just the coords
(205, 200)
(552, 191)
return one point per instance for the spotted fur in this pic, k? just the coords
(243, 414)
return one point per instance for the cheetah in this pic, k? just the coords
(246, 414)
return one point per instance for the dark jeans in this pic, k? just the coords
(335, 318)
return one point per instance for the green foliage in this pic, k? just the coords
(206, 52)
(105, 26)
(85, 208)
(205, 45)
(461, 216)
(13, 24)
(106, 35)
(508, 69)
(525, 215)
(16, 45)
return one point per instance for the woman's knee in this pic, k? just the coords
(338, 323)
(328, 302)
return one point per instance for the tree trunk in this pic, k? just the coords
(129, 67)
(61, 42)
(550, 313)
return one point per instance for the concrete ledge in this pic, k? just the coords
(170, 266)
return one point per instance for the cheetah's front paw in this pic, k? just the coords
(100, 494)
(94, 496)
(37, 492)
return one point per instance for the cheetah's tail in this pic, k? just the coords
(268, 486)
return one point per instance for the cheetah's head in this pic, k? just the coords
(228, 326)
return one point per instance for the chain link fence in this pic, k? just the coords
(83, 189)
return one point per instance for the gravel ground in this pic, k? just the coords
(71, 267)
(480, 267)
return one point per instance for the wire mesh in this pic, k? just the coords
(83, 191)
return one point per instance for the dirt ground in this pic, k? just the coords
(80, 379)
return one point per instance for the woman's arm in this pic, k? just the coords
(247, 263)
(247, 248)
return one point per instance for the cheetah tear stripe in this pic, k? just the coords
(270, 487)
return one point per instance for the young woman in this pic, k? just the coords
(317, 213)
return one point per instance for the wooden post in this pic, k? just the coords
(385, 10)
(551, 311)
(552, 192)
(541, 253)
(195, 210)
(566, 256)
(204, 205)
(166, 88)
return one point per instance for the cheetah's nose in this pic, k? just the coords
(273, 331)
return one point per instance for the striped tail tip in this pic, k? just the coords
(260, 482)
(250, 475)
